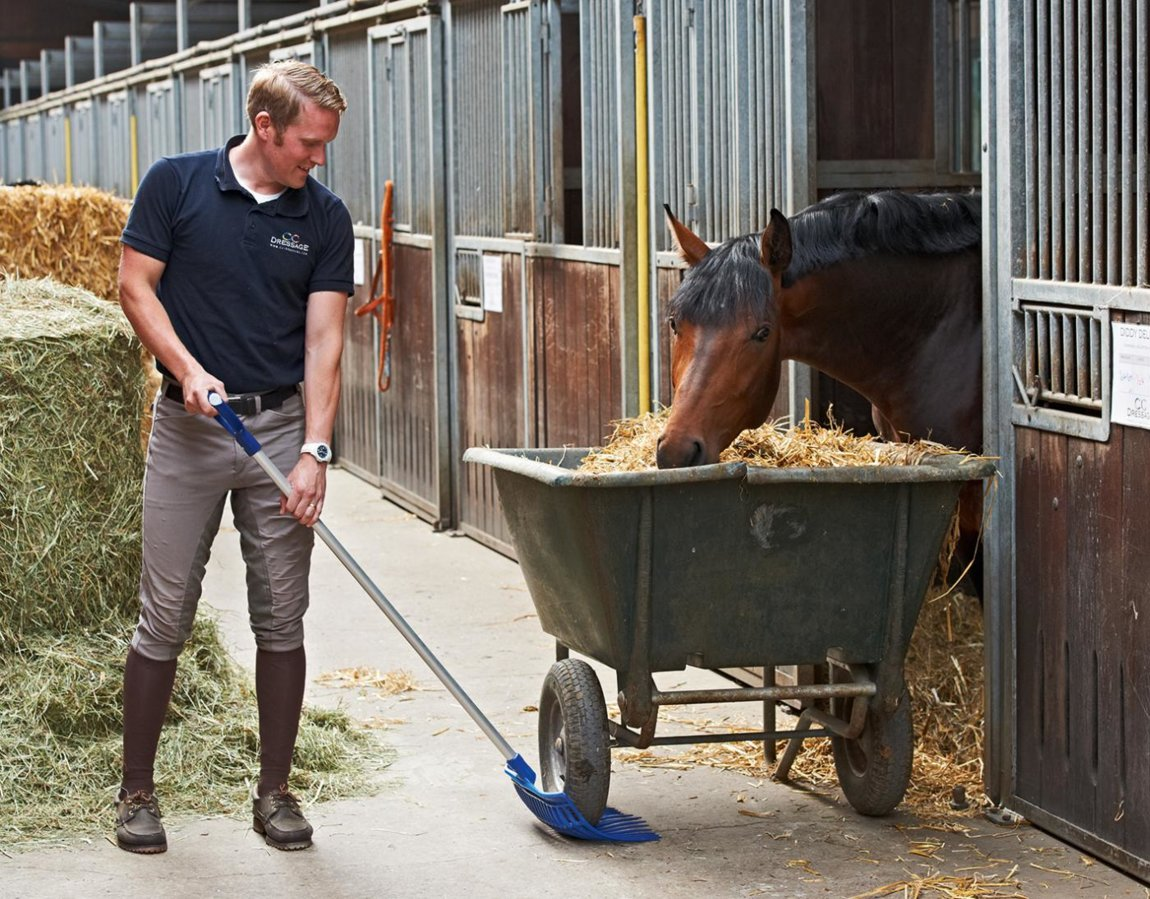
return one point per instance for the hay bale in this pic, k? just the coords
(72, 236)
(71, 476)
(68, 234)
(71, 390)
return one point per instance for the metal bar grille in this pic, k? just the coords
(718, 74)
(1062, 357)
(1086, 137)
(477, 145)
(520, 88)
(600, 115)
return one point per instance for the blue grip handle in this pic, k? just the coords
(231, 423)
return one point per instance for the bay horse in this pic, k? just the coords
(881, 291)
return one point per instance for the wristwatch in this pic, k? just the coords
(320, 450)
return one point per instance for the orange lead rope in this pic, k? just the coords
(382, 302)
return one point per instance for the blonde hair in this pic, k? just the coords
(279, 88)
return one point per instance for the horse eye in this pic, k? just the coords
(674, 326)
(762, 334)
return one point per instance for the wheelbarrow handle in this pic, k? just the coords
(234, 426)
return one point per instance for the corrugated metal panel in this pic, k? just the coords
(34, 147)
(191, 93)
(349, 174)
(156, 124)
(218, 105)
(14, 150)
(55, 150)
(114, 143)
(476, 112)
(83, 143)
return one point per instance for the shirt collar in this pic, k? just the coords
(292, 202)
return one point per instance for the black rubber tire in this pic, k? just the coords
(574, 748)
(874, 768)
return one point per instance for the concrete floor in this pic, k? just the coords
(446, 821)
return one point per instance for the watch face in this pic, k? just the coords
(322, 452)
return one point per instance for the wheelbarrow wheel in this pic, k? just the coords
(874, 768)
(574, 750)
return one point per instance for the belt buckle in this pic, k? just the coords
(245, 403)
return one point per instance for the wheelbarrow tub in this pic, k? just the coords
(726, 565)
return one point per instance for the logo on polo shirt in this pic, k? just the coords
(290, 242)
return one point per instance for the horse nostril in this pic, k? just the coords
(696, 457)
(679, 453)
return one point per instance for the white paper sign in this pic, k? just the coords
(1131, 401)
(493, 283)
(357, 261)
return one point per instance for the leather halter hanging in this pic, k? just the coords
(382, 302)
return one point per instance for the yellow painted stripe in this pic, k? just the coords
(643, 256)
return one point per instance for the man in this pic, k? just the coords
(235, 274)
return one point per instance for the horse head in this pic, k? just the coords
(725, 343)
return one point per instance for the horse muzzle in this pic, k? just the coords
(680, 452)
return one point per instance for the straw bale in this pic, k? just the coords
(68, 234)
(71, 467)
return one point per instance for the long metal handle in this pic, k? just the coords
(234, 426)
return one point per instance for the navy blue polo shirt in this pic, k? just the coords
(238, 273)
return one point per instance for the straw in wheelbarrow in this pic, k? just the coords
(556, 810)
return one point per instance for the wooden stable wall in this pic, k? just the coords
(567, 338)
(875, 83)
(1083, 631)
(390, 438)
(576, 351)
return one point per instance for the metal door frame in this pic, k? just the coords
(1007, 222)
(441, 506)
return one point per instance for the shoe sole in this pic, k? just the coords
(142, 848)
(259, 828)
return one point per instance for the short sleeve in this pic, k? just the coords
(149, 227)
(335, 268)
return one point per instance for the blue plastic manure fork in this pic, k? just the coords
(556, 810)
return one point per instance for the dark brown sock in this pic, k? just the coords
(147, 690)
(280, 680)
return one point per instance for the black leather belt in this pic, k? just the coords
(243, 403)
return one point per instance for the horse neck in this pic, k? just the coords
(868, 323)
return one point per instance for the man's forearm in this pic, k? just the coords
(323, 351)
(152, 325)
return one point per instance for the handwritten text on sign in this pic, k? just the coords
(1131, 348)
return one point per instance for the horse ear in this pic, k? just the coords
(776, 246)
(691, 247)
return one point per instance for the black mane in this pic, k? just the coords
(840, 228)
(852, 225)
